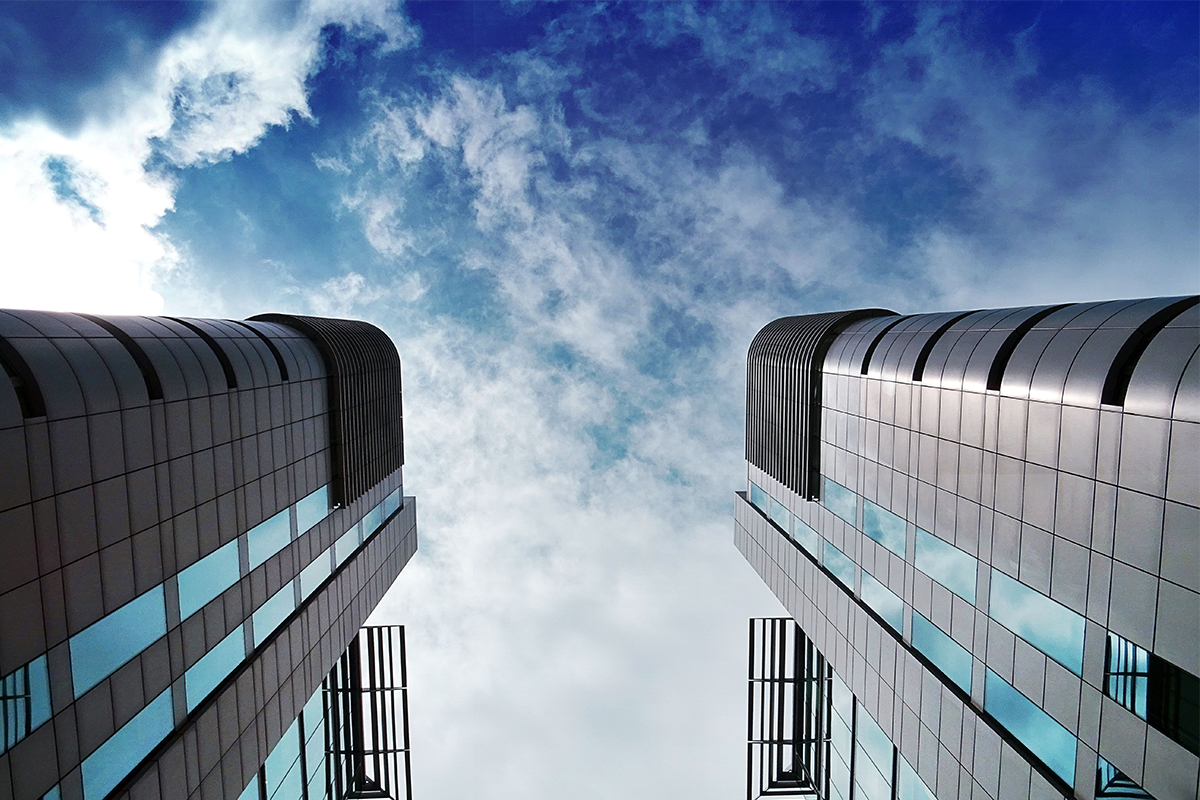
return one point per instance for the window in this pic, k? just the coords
(126, 748)
(945, 653)
(391, 503)
(24, 701)
(883, 602)
(911, 786)
(98, 650)
(214, 667)
(1034, 728)
(779, 514)
(758, 497)
(269, 537)
(841, 501)
(946, 564)
(347, 543)
(314, 749)
(884, 527)
(271, 613)
(873, 763)
(1112, 783)
(841, 735)
(1050, 627)
(312, 575)
(207, 578)
(282, 767)
(805, 536)
(372, 521)
(841, 567)
(1156, 690)
(312, 509)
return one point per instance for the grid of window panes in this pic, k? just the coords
(112, 641)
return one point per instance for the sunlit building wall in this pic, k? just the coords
(197, 516)
(987, 523)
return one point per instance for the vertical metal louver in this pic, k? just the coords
(365, 415)
(783, 395)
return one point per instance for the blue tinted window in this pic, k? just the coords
(207, 578)
(271, 613)
(269, 537)
(1112, 784)
(125, 749)
(97, 651)
(312, 509)
(841, 566)
(279, 764)
(214, 667)
(1048, 740)
(757, 496)
(779, 515)
(54, 794)
(805, 536)
(391, 503)
(841, 743)
(873, 768)
(24, 701)
(347, 543)
(945, 653)
(911, 786)
(883, 602)
(312, 575)
(841, 501)
(372, 521)
(1052, 628)
(884, 527)
(251, 790)
(946, 564)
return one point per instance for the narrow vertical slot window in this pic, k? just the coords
(203, 581)
(1049, 626)
(1034, 728)
(945, 653)
(884, 527)
(841, 501)
(947, 565)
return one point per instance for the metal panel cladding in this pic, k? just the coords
(783, 395)
(366, 419)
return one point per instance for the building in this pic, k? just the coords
(197, 517)
(985, 528)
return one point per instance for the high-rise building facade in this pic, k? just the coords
(985, 527)
(197, 516)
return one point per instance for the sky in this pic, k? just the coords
(572, 219)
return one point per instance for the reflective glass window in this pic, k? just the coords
(841, 739)
(883, 602)
(911, 786)
(945, 653)
(214, 667)
(372, 521)
(312, 509)
(312, 575)
(125, 749)
(873, 764)
(54, 794)
(273, 612)
(207, 578)
(278, 766)
(1111, 784)
(98, 650)
(1156, 690)
(347, 543)
(391, 503)
(779, 514)
(269, 537)
(841, 566)
(884, 527)
(757, 496)
(841, 501)
(24, 701)
(1052, 628)
(805, 536)
(946, 564)
(1035, 729)
(251, 790)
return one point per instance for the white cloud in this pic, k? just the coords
(214, 91)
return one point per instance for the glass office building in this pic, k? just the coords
(197, 517)
(985, 528)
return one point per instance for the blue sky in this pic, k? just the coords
(572, 218)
